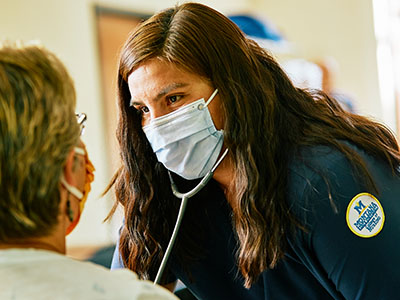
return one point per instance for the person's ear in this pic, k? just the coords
(69, 168)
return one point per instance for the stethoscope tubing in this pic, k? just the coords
(184, 197)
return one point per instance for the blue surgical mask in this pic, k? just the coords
(186, 140)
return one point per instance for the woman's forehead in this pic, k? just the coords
(157, 76)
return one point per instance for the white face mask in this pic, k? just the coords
(186, 140)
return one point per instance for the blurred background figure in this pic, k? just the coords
(303, 73)
(319, 75)
(262, 31)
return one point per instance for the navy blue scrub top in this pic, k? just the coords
(350, 251)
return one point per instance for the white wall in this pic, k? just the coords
(340, 28)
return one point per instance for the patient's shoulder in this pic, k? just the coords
(38, 274)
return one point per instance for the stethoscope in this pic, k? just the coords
(182, 208)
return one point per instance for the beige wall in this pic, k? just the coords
(341, 28)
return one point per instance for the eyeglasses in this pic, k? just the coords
(81, 119)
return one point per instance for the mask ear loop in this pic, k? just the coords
(73, 190)
(201, 106)
(79, 150)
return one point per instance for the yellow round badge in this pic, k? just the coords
(365, 216)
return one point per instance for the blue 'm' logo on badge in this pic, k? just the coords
(359, 207)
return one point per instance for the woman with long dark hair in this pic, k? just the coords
(302, 202)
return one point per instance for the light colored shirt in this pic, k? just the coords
(40, 274)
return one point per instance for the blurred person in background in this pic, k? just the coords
(45, 177)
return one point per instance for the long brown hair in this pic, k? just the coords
(266, 120)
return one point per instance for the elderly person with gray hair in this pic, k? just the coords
(45, 177)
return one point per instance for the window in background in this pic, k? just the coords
(387, 32)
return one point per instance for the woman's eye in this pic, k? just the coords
(173, 99)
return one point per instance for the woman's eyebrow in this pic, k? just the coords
(165, 90)
(170, 88)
